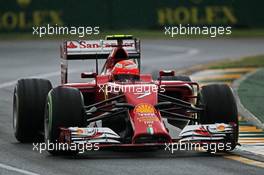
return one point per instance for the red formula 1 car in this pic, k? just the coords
(120, 107)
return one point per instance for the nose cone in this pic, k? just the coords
(146, 120)
(141, 93)
(149, 127)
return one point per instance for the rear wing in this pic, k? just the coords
(96, 49)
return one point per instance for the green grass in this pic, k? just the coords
(251, 93)
(251, 61)
(143, 34)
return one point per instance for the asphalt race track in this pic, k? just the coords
(40, 58)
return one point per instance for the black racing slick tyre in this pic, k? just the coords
(28, 109)
(220, 107)
(64, 108)
(176, 78)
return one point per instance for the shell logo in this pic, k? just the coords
(80, 131)
(146, 113)
(144, 108)
(220, 128)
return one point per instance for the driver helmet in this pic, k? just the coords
(125, 70)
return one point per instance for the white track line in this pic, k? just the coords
(18, 170)
(46, 75)
(7, 84)
(11, 83)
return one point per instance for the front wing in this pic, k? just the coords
(105, 137)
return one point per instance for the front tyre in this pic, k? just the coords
(220, 107)
(64, 108)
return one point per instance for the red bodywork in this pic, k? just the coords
(146, 121)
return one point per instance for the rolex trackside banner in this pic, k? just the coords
(22, 15)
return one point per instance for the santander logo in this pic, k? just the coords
(71, 45)
(94, 45)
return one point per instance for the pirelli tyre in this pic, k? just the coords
(220, 107)
(64, 108)
(28, 109)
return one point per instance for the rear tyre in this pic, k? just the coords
(220, 107)
(28, 109)
(64, 108)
